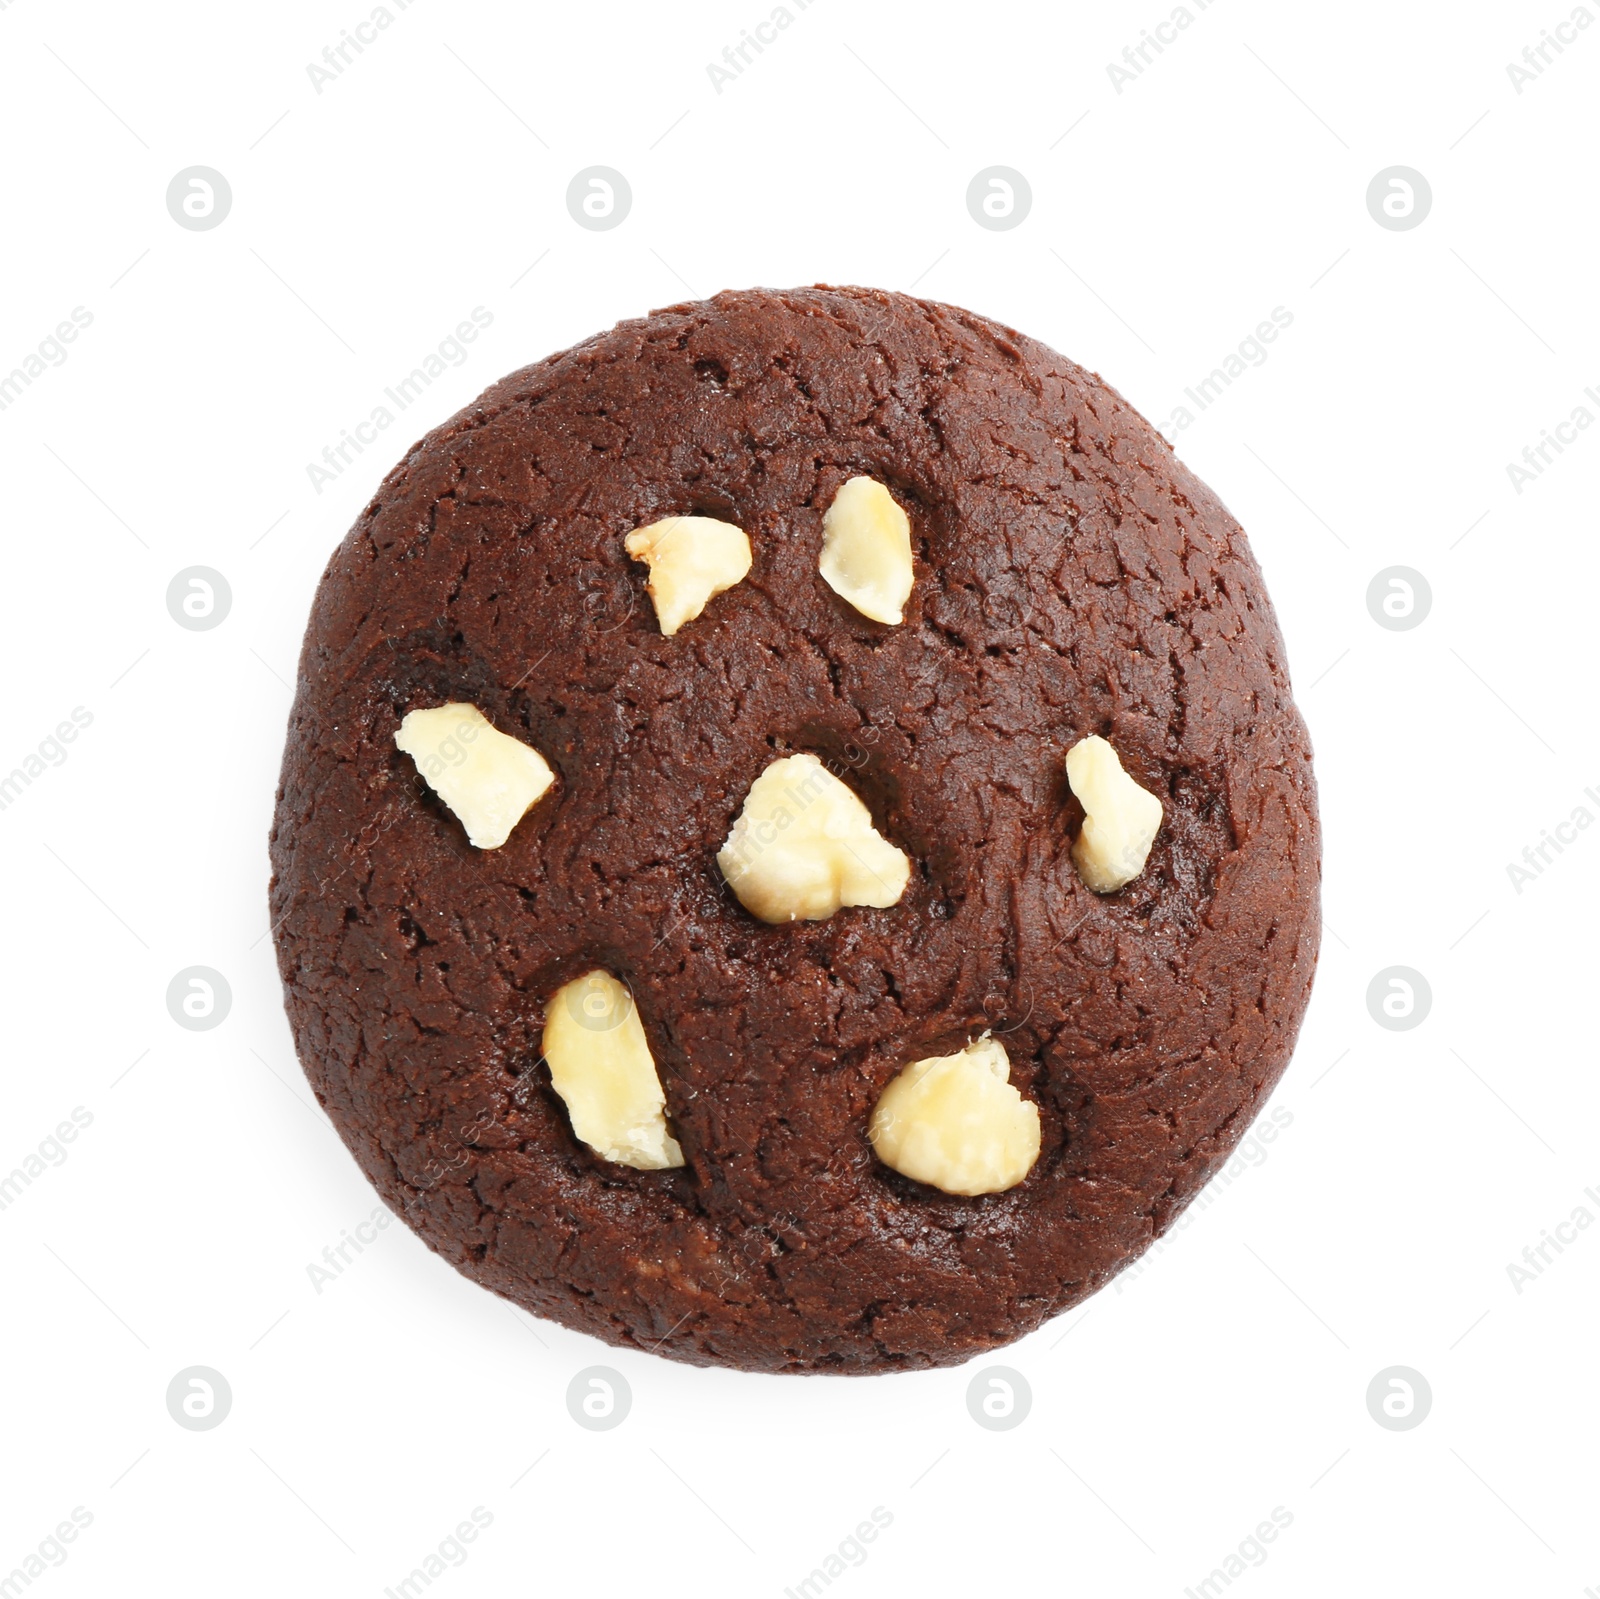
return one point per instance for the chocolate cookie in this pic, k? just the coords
(730, 967)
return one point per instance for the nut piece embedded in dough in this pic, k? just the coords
(804, 845)
(1121, 819)
(866, 550)
(488, 778)
(601, 1066)
(690, 558)
(956, 1122)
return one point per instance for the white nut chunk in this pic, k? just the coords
(691, 558)
(956, 1122)
(486, 777)
(1120, 821)
(866, 550)
(804, 845)
(601, 1066)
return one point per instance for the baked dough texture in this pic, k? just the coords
(1071, 577)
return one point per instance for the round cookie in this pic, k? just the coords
(1070, 578)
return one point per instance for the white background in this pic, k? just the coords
(1228, 1375)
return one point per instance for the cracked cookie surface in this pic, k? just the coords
(1071, 578)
